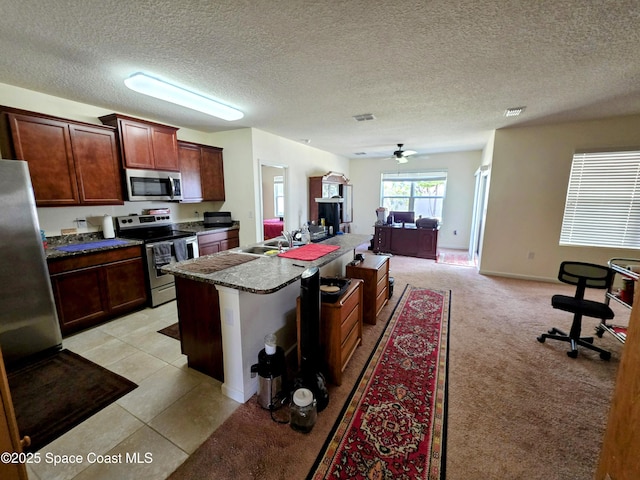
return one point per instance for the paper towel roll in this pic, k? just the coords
(107, 227)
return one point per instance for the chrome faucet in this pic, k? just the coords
(289, 237)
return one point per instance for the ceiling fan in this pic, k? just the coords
(401, 155)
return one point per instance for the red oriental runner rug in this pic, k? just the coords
(394, 423)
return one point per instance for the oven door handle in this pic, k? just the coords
(173, 187)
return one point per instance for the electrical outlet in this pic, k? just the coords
(81, 222)
(455, 232)
(68, 231)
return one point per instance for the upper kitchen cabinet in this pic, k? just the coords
(202, 172)
(70, 163)
(145, 145)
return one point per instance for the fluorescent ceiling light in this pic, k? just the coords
(142, 83)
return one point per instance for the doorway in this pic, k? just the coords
(273, 199)
(479, 212)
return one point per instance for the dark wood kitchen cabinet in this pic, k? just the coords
(70, 163)
(202, 172)
(92, 288)
(200, 326)
(145, 145)
(217, 241)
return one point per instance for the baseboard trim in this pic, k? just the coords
(518, 276)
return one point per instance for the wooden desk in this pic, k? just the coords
(408, 241)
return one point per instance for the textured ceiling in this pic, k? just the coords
(437, 75)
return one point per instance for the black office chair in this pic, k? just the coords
(583, 275)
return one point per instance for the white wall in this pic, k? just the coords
(302, 161)
(529, 176)
(458, 204)
(268, 192)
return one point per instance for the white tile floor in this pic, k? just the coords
(149, 432)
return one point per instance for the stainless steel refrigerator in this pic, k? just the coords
(28, 319)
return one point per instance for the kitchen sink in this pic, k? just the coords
(259, 250)
(274, 242)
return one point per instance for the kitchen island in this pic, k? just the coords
(228, 302)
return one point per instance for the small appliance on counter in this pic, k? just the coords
(107, 227)
(271, 369)
(217, 219)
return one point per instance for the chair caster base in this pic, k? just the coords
(572, 353)
(605, 355)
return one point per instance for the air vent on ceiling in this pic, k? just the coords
(513, 111)
(360, 153)
(363, 117)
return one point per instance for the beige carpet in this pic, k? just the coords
(517, 409)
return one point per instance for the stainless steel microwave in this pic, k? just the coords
(153, 185)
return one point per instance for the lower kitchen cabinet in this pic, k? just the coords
(200, 326)
(91, 288)
(218, 241)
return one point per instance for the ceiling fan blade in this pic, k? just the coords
(406, 153)
(402, 159)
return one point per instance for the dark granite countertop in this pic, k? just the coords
(88, 240)
(266, 274)
(199, 229)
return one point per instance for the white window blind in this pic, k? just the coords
(602, 208)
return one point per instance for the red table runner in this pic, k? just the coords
(309, 252)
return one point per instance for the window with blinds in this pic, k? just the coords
(602, 208)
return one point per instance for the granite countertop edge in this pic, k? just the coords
(52, 252)
(266, 274)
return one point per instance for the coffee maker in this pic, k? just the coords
(271, 369)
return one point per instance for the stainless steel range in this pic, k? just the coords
(163, 246)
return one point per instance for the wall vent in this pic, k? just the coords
(513, 111)
(363, 117)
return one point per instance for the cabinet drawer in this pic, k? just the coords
(382, 283)
(348, 304)
(75, 262)
(382, 271)
(352, 319)
(381, 299)
(350, 343)
(205, 238)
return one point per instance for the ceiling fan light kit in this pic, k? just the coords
(401, 155)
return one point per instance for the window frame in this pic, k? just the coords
(602, 204)
(413, 177)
